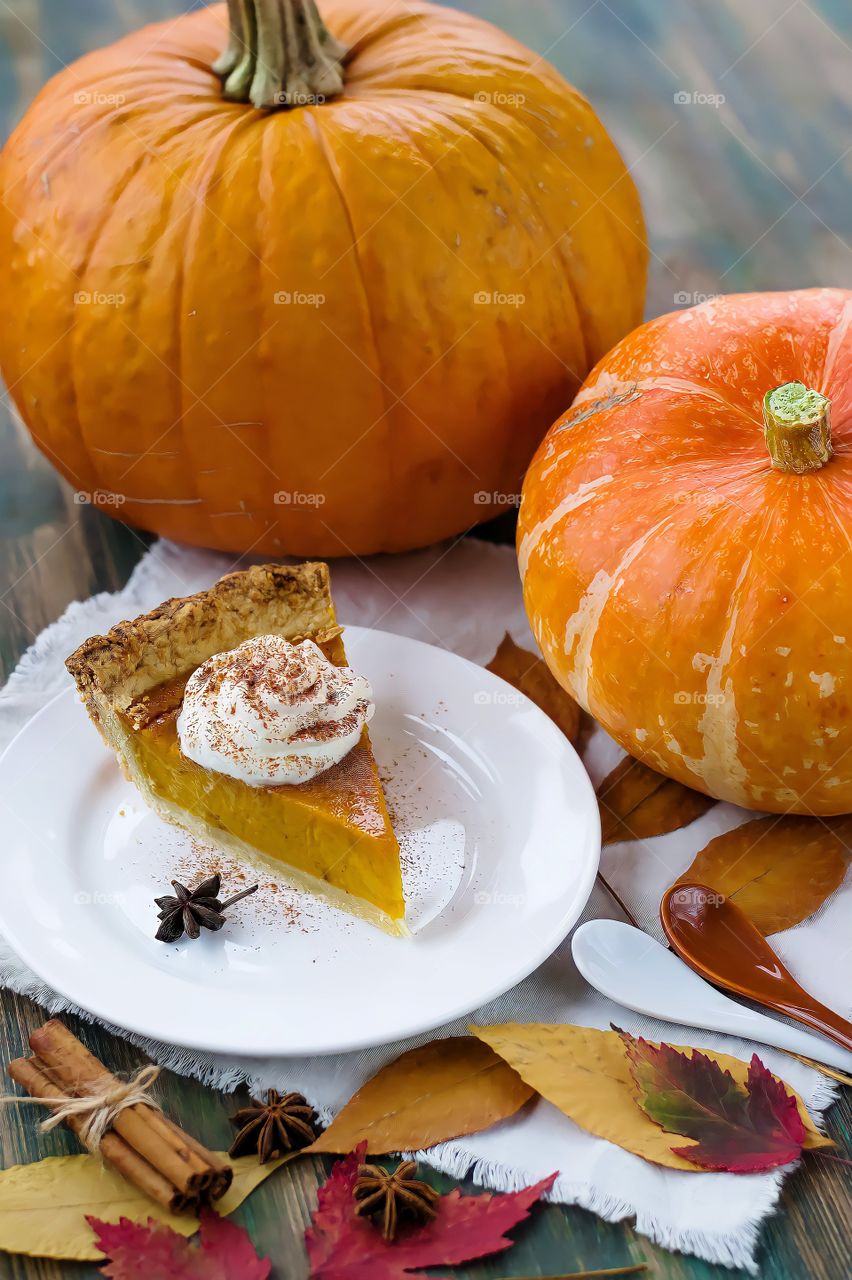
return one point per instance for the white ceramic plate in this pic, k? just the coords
(498, 826)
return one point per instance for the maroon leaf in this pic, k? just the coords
(737, 1130)
(342, 1246)
(152, 1251)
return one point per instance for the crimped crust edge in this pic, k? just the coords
(182, 632)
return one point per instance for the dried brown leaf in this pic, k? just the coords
(637, 803)
(528, 673)
(777, 870)
(430, 1094)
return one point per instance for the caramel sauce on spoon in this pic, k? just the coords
(719, 941)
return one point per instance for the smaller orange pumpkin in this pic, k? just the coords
(685, 543)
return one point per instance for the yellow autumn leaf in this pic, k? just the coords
(43, 1206)
(585, 1073)
(431, 1093)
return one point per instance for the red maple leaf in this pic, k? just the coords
(738, 1130)
(342, 1246)
(152, 1251)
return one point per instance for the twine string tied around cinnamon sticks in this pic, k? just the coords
(97, 1109)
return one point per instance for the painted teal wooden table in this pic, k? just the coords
(736, 121)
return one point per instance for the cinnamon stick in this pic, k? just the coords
(143, 1144)
(28, 1073)
(223, 1173)
(192, 1170)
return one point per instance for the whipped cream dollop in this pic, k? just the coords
(271, 713)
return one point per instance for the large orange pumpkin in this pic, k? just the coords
(686, 548)
(340, 327)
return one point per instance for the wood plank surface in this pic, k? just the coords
(746, 187)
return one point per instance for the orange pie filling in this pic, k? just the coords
(235, 729)
(333, 831)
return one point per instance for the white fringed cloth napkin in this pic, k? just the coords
(465, 597)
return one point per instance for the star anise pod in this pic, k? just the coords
(194, 909)
(275, 1127)
(394, 1195)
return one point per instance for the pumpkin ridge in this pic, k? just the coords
(88, 253)
(841, 528)
(579, 315)
(743, 480)
(531, 539)
(168, 202)
(441, 23)
(690, 387)
(733, 781)
(599, 597)
(432, 168)
(194, 216)
(135, 76)
(66, 141)
(377, 34)
(141, 72)
(264, 184)
(583, 312)
(719, 724)
(51, 94)
(263, 456)
(218, 173)
(835, 343)
(824, 497)
(184, 59)
(638, 233)
(325, 149)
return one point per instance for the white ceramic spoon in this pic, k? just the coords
(633, 969)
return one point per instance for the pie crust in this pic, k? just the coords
(111, 671)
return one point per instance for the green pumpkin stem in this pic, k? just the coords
(279, 55)
(797, 425)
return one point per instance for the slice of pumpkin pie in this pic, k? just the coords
(235, 713)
